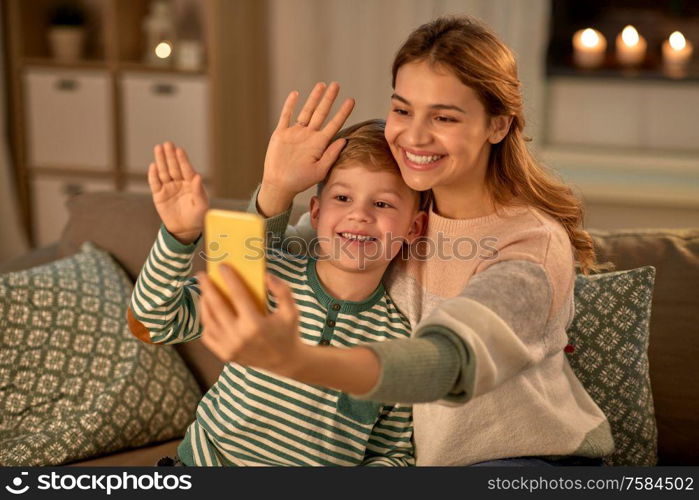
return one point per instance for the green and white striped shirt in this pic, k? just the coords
(251, 417)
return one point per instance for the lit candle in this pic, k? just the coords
(163, 50)
(588, 48)
(630, 47)
(677, 51)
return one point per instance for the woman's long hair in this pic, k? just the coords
(482, 62)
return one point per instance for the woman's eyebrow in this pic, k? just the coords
(450, 107)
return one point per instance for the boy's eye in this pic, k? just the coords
(382, 204)
(341, 197)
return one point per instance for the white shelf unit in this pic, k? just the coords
(632, 142)
(92, 123)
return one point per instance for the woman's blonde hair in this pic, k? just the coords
(482, 62)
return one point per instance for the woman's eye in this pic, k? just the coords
(400, 111)
(447, 119)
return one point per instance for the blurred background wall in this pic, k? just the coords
(13, 240)
(625, 138)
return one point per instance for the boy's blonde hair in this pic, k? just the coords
(366, 144)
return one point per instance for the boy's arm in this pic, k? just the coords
(278, 233)
(390, 443)
(163, 306)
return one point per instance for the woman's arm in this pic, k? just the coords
(468, 346)
(498, 327)
(236, 331)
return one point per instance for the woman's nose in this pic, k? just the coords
(417, 133)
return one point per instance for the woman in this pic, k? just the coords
(485, 366)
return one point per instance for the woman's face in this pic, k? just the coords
(438, 130)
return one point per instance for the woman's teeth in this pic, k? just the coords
(358, 237)
(422, 159)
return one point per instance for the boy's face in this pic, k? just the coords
(364, 216)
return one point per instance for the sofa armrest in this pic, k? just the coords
(33, 258)
(145, 456)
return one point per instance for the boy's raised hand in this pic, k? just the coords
(299, 153)
(178, 193)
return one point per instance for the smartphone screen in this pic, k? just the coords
(237, 239)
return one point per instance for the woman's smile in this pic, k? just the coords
(421, 160)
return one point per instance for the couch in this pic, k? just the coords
(125, 224)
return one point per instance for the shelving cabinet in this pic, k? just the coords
(91, 124)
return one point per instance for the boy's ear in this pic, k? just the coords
(417, 227)
(499, 127)
(315, 211)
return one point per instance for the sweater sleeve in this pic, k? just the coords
(163, 306)
(292, 239)
(492, 331)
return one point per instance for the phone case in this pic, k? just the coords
(237, 239)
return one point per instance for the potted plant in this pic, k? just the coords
(67, 32)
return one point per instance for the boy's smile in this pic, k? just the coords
(362, 218)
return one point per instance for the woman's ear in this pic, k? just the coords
(417, 227)
(315, 211)
(499, 127)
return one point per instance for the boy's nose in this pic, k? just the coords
(360, 213)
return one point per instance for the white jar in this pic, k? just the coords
(189, 55)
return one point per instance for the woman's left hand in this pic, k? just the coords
(235, 329)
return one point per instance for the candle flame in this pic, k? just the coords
(589, 38)
(163, 50)
(677, 41)
(630, 36)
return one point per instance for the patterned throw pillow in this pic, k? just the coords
(74, 382)
(608, 352)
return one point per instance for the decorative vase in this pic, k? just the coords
(67, 42)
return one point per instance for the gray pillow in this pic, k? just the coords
(74, 382)
(608, 351)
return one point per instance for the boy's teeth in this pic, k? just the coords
(421, 158)
(351, 236)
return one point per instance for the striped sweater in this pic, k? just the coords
(251, 417)
(490, 299)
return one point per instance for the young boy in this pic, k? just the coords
(363, 214)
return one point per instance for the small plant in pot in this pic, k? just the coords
(67, 32)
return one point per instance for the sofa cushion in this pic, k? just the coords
(674, 329)
(76, 383)
(608, 351)
(123, 224)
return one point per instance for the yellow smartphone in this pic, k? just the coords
(236, 239)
